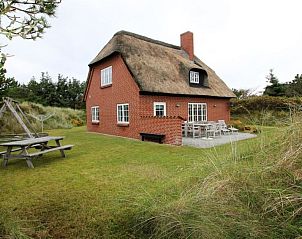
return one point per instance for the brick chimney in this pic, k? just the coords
(186, 43)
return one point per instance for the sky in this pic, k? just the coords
(241, 40)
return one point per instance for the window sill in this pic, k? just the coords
(95, 122)
(106, 86)
(123, 124)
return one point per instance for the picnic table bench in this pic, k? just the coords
(37, 143)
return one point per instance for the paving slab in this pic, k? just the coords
(212, 142)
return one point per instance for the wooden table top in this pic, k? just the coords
(26, 142)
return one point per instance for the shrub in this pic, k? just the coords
(237, 124)
(77, 122)
(265, 110)
(263, 103)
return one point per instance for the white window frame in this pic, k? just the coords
(194, 77)
(106, 76)
(161, 104)
(200, 114)
(95, 114)
(122, 119)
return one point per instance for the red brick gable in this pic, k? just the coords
(122, 90)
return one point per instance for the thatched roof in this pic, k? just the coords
(158, 67)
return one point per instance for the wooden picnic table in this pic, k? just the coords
(37, 143)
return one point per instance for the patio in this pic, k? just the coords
(212, 142)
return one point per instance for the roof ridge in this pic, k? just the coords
(147, 39)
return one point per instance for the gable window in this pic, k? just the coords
(123, 113)
(95, 114)
(194, 77)
(106, 76)
(159, 108)
(197, 112)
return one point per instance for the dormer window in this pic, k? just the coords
(194, 77)
(198, 77)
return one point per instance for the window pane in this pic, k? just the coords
(95, 113)
(194, 77)
(106, 76)
(119, 112)
(197, 112)
(126, 116)
(159, 112)
(159, 108)
(123, 113)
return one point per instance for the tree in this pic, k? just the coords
(47, 90)
(25, 18)
(2, 69)
(294, 88)
(7, 85)
(75, 93)
(62, 92)
(271, 78)
(33, 91)
(242, 93)
(275, 88)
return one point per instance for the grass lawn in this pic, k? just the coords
(110, 187)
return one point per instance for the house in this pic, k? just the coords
(139, 85)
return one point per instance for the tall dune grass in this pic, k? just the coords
(258, 194)
(61, 118)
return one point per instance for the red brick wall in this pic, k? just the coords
(169, 126)
(186, 43)
(217, 108)
(122, 90)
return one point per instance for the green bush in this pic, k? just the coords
(265, 110)
(261, 103)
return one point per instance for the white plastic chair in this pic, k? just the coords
(223, 127)
(214, 130)
(195, 131)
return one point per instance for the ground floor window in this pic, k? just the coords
(159, 108)
(123, 113)
(95, 114)
(197, 112)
